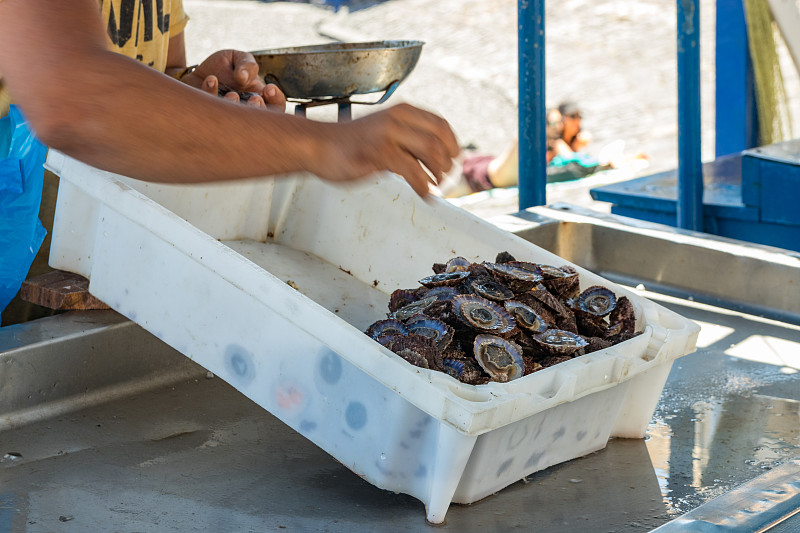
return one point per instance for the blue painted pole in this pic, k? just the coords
(690, 167)
(736, 115)
(532, 181)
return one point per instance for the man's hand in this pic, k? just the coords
(232, 71)
(402, 139)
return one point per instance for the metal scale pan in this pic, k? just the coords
(332, 73)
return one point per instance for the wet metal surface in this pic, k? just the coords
(772, 498)
(730, 411)
(59, 365)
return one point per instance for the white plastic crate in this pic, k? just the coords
(205, 268)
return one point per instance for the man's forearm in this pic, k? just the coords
(134, 121)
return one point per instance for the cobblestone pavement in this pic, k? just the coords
(616, 58)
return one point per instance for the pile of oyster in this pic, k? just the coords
(482, 322)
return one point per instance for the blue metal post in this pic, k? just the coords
(532, 184)
(737, 114)
(690, 168)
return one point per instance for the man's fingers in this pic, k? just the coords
(210, 85)
(417, 145)
(245, 68)
(410, 169)
(423, 136)
(429, 150)
(421, 120)
(256, 101)
(274, 97)
(417, 178)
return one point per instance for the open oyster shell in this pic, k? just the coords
(526, 317)
(517, 275)
(500, 358)
(596, 300)
(491, 289)
(559, 342)
(445, 278)
(482, 314)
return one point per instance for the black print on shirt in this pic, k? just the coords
(121, 27)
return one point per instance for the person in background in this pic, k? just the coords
(571, 160)
(484, 172)
(556, 145)
(572, 133)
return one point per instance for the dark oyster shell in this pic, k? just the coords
(453, 367)
(387, 326)
(531, 365)
(563, 282)
(412, 354)
(526, 317)
(517, 275)
(613, 330)
(401, 298)
(504, 257)
(417, 350)
(441, 293)
(482, 314)
(443, 310)
(535, 304)
(559, 342)
(477, 270)
(563, 316)
(499, 358)
(596, 300)
(524, 340)
(491, 289)
(623, 313)
(556, 306)
(413, 357)
(591, 325)
(445, 278)
(436, 330)
(414, 308)
(554, 360)
(454, 353)
(552, 272)
(473, 374)
(622, 337)
(596, 343)
(457, 264)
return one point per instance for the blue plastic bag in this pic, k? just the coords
(21, 175)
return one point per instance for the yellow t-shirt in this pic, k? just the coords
(139, 29)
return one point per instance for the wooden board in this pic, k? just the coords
(61, 291)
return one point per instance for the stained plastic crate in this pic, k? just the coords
(207, 269)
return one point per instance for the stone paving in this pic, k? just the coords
(616, 58)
